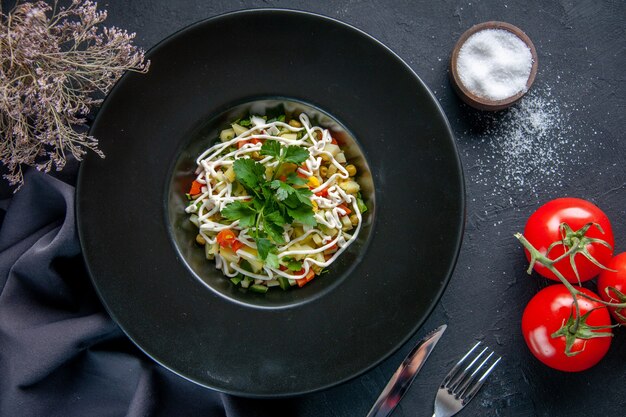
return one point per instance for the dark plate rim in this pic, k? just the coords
(457, 241)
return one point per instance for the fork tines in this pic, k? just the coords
(462, 380)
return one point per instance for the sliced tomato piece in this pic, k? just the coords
(225, 238)
(322, 193)
(236, 245)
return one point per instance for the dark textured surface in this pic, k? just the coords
(581, 47)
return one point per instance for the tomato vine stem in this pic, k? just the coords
(576, 243)
(537, 256)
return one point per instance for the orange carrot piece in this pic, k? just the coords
(309, 276)
(344, 208)
(196, 188)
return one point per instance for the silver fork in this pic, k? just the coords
(461, 384)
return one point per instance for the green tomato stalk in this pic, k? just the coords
(576, 243)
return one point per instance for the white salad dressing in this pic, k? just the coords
(217, 192)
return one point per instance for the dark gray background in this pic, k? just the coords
(581, 86)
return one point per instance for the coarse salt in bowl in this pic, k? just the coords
(493, 65)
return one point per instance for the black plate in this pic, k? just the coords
(333, 329)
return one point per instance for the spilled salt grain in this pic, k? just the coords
(494, 64)
(529, 148)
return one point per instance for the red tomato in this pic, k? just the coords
(225, 237)
(545, 314)
(322, 193)
(616, 280)
(235, 245)
(542, 229)
(253, 141)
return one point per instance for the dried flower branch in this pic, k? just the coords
(56, 65)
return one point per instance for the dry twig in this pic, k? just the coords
(56, 65)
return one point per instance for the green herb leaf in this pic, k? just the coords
(275, 232)
(272, 260)
(264, 246)
(303, 214)
(276, 218)
(240, 211)
(249, 173)
(294, 179)
(267, 194)
(299, 197)
(296, 154)
(258, 204)
(304, 196)
(294, 265)
(273, 225)
(283, 190)
(275, 203)
(275, 184)
(271, 148)
(244, 122)
(280, 118)
(267, 252)
(292, 201)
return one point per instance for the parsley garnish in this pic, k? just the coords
(249, 173)
(280, 118)
(292, 264)
(241, 211)
(274, 203)
(294, 154)
(244, 122)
